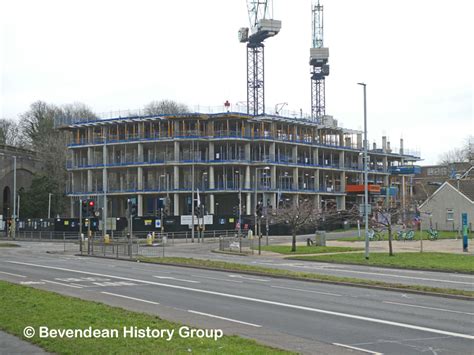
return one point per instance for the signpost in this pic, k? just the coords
(464, 232)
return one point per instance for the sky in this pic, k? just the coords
(415, 56)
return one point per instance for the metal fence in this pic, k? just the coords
(237, 244)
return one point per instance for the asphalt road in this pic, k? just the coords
(409, 277)
(302, 316)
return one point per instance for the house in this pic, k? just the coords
(444, 207)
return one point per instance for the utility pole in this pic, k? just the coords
(192, 196)
(14, 198)
(49, 204)
(80, 226)
(366, 177)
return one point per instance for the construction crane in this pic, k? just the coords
(261, 28)
(318, 60)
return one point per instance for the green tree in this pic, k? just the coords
(34, 201)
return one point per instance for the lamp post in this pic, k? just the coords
(192, 195)
(257, 231)
(366, 176)
(49, 204)
(240, 201)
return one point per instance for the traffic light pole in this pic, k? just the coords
(80, 226)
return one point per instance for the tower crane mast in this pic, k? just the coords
(319, 56)
(262, 26)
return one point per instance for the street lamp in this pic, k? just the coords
(257, 232)
(49, 204)
(240, 201)
(366, 176)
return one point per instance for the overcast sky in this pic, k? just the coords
(416, 57)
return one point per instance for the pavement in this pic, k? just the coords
(296, 315)
(10, 344)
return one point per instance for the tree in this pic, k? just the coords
(165, 107)
(34, 201)
(10, 133)
(383, 218)
(297, 216)
(38, 126)
(459, 155)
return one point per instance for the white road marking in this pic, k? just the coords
(258, 300)
(436, 309)
(360, 349)
(62, 284)
(9, 273)
(404, 277)
(303, 290)
(32, 283)
(228, 319)
(175, 279)
(248, 278)
(130, 298)
(215, 278)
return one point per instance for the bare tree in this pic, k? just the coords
(297, 216)
(38, 126)
(165, 107)
(383, 218)
(10, 133)
(459, 155)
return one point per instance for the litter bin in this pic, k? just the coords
(320, 237)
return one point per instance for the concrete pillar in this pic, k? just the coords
(401, 146)
(140, 152)
(295, 178)
(359, 141)
(140, 205)
(247, 177)
(89, 180)
(72, 208)
(384, 143)
(212, 156)
(341, 159)
(272, 151)
(317, 201)
(211, 204)
(90, 158)
(248, 204)
(273, 177)
(247, 151)
(385, 164)
(295, 153)
(176, 204)
(341, 139)
(316, 156)
(343, 181)
(316, 180)
(176, 151)
(176, 177)
(341, 203)
(140, 178)
(211, 178)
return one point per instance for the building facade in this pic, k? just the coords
(225, 158)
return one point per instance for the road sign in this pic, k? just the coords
(362, 209)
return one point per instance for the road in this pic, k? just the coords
(307, 317)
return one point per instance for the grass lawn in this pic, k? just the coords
(22, 306)
(260, 270)
(9, 245)
(303, 249)
(428, 261)
(441, 235)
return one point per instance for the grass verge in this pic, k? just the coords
(259, 270)
(286, 249)
(9, 245)
(22, 306)
(425, 261)
(442, 235)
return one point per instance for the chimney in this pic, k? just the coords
(401, 145)
(375, 146)
(388, 147)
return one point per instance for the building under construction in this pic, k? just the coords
(233, 158)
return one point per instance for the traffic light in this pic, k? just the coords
(90, 208)
(132, 207)
(259, 209)
(84, 207)
(134, 211)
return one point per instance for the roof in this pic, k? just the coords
(466, 189)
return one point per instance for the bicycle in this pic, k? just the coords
(405, 235)
(432, 234)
